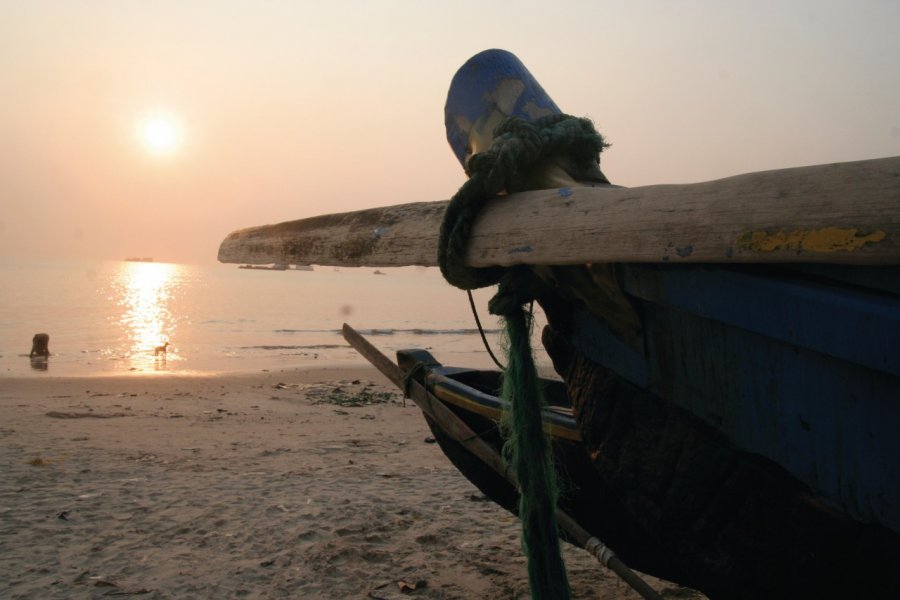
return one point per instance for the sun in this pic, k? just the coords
(160, 133)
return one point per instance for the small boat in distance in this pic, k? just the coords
(275, 267)
(139, 259)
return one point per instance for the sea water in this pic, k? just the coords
(107, 317)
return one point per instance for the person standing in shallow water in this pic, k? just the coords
(40, 345)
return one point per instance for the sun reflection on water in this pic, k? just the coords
(144, 292)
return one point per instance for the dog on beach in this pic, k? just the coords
(161, 350)
(40, 345)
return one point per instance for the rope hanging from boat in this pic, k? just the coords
(484, 341)
(518, 147)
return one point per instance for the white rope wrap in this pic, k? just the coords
(600, 550)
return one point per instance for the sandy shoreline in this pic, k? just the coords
(315, 483)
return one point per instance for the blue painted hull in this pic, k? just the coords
(803, 370)
(749, 427)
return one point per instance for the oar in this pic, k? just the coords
(459, 431)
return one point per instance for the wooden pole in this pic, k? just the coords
(463, 434)
(839, 213)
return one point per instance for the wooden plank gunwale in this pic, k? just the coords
(846, 213)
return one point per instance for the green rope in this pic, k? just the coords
(518, 146)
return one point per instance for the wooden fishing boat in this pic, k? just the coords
(758, 533)
(730, 349)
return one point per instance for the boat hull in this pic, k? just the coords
(676, 498)
(801, 369)
(745, 415)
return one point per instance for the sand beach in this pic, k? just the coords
(313, 483)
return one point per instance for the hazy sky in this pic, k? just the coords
(296, 108)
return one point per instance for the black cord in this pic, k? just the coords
(481, 331)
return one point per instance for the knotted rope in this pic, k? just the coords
(517, 148)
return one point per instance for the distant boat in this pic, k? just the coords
(139, 259)
(377, 272)
(303, 268)
(275, 267)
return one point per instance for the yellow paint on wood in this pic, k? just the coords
(828, 239)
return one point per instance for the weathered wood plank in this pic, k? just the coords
(399, 235)
(836, 213)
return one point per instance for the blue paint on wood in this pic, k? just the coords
(471, 95)
(801, 371)
(830, 423)
(594, 338)
(847, 323)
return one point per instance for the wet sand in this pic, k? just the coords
(312, 483)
